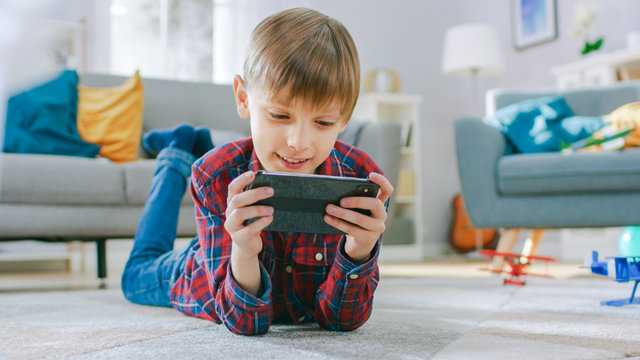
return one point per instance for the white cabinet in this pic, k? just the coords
(404, 238)
(596, 69)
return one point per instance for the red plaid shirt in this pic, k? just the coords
(306, 277)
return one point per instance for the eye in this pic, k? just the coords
(277, 115)
(324, 123)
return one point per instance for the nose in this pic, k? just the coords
(299, 136)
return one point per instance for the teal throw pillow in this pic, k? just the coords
(575, 128)
(42, 120)
(543, 124)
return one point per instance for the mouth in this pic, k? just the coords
(290, 162)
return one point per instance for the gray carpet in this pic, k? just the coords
(419, 318)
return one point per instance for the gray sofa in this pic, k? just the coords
(548, 190)
(63, 198)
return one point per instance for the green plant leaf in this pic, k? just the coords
(596, 45)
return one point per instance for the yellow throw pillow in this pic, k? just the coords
(112, 118)
(625, 116)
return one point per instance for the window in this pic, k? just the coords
(163, 38)
(196, 40)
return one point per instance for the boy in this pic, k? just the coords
(300, 85)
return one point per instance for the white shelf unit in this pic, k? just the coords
(403, 109)
(598, 69)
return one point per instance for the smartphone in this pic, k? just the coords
(300, 200)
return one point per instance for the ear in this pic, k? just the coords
(344, 126)
(240, 92)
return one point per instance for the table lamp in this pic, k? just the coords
(472, 50)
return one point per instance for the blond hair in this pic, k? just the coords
(310, 53)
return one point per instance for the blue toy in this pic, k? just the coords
(622, 269)
(629, 241)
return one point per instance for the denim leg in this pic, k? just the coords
(153, 264)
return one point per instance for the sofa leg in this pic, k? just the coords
(102, 261)
(505, 244)
(532, 243)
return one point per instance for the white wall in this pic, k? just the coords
(408, 36)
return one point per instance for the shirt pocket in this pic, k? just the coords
(312, 262)
(320, 251)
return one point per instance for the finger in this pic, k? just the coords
(375, 205)
(237, 217)
(386, 189)
(238, 184)
(249, 197)
(361, 220)
(254, 228)
(346, 227)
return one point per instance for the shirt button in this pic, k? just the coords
(353, 276)
(288, 269)
(319, 256)
(301, 319)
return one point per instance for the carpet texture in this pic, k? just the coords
(413, 318)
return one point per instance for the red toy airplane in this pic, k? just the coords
(517, 265)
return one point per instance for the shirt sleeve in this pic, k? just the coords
(345, 299)
(241, 312)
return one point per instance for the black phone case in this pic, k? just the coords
(300, 200)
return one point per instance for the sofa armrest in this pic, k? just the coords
(478, 147)
(381, 141)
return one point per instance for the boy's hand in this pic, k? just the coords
(362, 230)
(246, 241)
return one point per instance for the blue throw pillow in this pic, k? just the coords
(42, 120)
(576, 128)
(542, 124)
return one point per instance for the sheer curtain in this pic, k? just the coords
(196, 40)
(162, 38)
(233, 21)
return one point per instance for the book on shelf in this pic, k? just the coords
(407, 128)
(406, 182)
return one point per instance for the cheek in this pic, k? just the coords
(324, 142)
(261, 131)
(265, 137)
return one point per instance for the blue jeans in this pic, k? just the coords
(154, 265)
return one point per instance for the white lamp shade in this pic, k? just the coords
(472, 49)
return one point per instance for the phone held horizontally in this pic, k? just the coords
(300, 200)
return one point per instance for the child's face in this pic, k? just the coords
(291, 137)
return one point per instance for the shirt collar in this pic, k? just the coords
(330, 165)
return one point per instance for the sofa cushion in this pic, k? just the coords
(25, 221)
(112, 118)
(137, 177)
(533, 174)
(54, 179)
(42, 120)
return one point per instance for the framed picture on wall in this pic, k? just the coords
(66, 43)
(534, 22)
